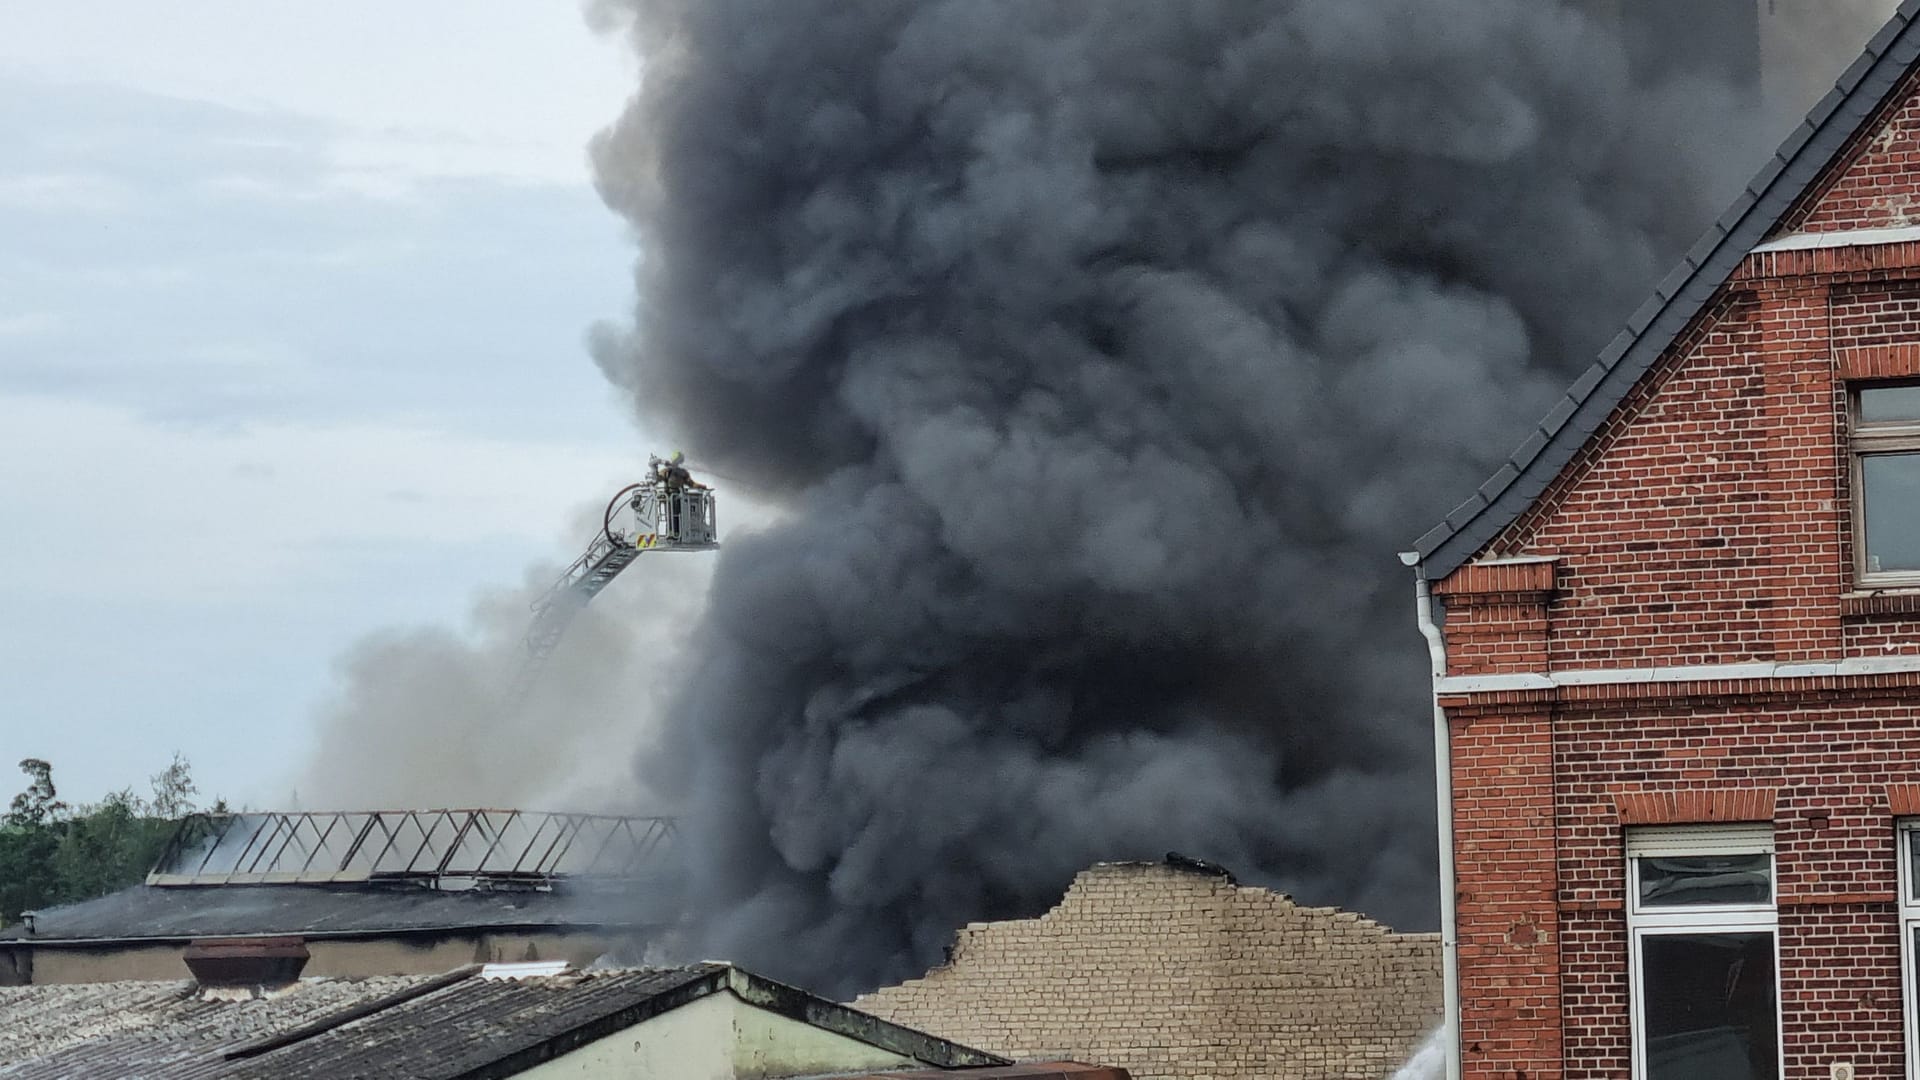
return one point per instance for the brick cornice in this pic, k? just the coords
(1821, 261)
(1515, 582)
(1903, 800)
(1612, 695)
(1895, 360)
(1693, 806)
(1868, 605)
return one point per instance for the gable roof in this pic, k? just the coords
(462, 1025)
(1779, 187)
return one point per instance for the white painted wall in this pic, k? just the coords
(766, 1044)
(718, 1037)
(693, 1042)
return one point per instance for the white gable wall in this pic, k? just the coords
(693, 1042)
(717, 1037)
(766, 1044)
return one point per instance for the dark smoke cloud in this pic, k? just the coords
(1108, 352)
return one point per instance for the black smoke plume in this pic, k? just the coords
(1106, 352)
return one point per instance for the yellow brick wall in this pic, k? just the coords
(1172, 973)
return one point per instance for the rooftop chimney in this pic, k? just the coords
(251, 965)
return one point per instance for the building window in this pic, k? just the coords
(1909, 841)
(1886, 485)
(1702, 953)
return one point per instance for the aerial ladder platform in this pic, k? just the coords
(668, 511)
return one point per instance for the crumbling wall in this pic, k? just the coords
(1171, 972)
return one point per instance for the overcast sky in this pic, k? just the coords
(291, 308)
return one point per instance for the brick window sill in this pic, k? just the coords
(1866, 605)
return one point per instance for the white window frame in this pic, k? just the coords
(1909, 908)
(1643, 922)
(1869, 439)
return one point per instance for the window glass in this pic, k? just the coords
(1913, 863)
(1706, 879)
(1890, 403)
(1710, 1006)
(1891, 491)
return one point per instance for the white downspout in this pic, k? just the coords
(1443, 797)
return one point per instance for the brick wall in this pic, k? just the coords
(1826, 759)
(1880, 186)
(1503, 855)
(1172, 973)
(1707, 521)
(1497, 617)
(1687, 464)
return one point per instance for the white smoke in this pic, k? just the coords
(421, 716)
(1427, 1063)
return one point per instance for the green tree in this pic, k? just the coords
(37, 805)
(29, 839)
(173, 790)
(51, 853)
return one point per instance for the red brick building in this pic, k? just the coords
(1677, 642)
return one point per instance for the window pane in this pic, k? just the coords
(1709, 1006)
(1913, 864)
(1706, 879)
(1890, 403)
(1891, 484)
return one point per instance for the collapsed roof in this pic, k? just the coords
(433, 847)
(152, 914)
(379, 873)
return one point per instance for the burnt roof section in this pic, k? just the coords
(147, 913)
(1773, 193)
(459, 1026)
(425, 846)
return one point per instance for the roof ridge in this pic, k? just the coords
(348, 1015)
(1800, 161)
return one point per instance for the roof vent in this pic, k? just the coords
(247, 964)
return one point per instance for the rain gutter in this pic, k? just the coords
(1443, 797)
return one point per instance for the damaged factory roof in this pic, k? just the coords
(472, 1023)
(153, 913)
(348, 874)
(424, 846)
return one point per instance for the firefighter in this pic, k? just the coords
(673, 473)
(674, 477)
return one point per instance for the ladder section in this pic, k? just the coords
(581, 582)
(651, 516)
